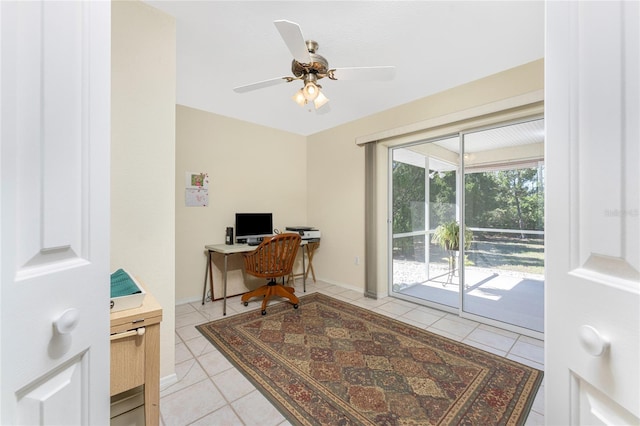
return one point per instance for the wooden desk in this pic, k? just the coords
(229, 249)
(226, 250)
(135, 354)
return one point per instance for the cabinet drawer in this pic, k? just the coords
(134, 417)
(127, 323)
(127, 362)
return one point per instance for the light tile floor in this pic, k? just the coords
(210, 391)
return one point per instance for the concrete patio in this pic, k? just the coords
(512, 297)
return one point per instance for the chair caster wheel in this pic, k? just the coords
(295, 306)
(264, 312)
(246, 303)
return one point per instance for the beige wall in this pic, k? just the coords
(336, 168)
(322, 185)
(251, 168)
(143, 156)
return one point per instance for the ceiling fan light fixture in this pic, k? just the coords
(309, 67)
(299, 98)
(320, 100)
(310, 91)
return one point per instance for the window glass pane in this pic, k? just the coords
(424, 178)
(504, 211)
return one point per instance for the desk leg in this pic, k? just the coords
(304, 280)
(224, 293)
(311, 248)
(206, 275)
(211, 273)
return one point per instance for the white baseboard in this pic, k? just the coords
(189, 300)
(318, 281)
(349, 287)
(168, 380)
(340, 284)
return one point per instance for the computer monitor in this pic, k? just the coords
(251, 227)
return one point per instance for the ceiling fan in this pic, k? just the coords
(309, 67)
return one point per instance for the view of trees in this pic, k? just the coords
(408, 197)
(503, 199)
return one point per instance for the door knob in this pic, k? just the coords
(67, 321)
(592, 341)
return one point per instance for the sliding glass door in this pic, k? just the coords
(424, 196)
(467, 223)
(504, 209)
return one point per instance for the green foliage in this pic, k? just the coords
(505, 199)
(442, 198)
(510, 199)
(480, 199)
(408, 198)
(447, 236)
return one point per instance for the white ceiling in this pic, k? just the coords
(506, 136)
(434, 45)
(526, 133)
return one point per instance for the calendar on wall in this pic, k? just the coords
(196, 189)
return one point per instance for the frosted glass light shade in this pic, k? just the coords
(320, 100)
(299, 98)
(310, 91)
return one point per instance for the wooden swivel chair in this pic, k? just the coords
(273, 258)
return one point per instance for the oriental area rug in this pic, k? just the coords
(333, 363)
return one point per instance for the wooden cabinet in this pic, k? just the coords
(135, 354)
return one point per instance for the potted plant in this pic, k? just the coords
(447, 236)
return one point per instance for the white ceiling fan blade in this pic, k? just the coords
(363, 73)
(261, 84)
(292, 36)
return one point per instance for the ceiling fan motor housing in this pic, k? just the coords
(319, 65)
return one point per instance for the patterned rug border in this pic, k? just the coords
(294, 416)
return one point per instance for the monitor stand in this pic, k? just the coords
(254, 241)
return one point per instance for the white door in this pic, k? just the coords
(54, 216)
(592, 327)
